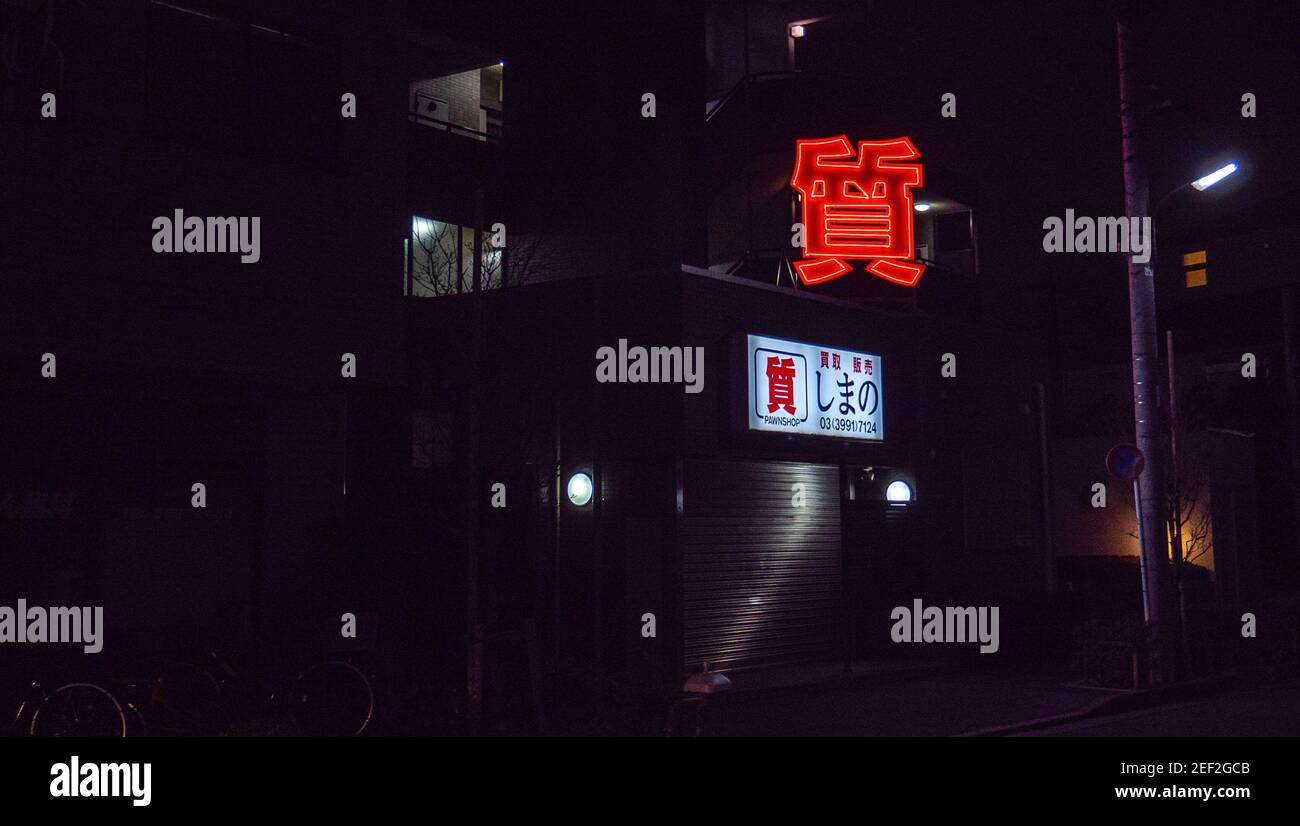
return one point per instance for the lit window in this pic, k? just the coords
(440, 260)
(1199, 276)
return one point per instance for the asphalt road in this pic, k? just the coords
(946, 705)
(927, 706)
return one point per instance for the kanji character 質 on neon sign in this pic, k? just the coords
(857, 208)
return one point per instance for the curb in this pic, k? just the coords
(1128, 701)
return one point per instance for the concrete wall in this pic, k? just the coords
(1083, 530)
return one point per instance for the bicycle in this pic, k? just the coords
(331, 699)
(218, 698)
(71, 710)
(328, 699)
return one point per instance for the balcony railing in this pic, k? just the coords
(423, 103)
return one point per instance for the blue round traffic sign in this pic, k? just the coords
(1125, 461)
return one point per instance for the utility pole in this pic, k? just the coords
(1045, 490)
(1176, 514)
(1146, 353)
(1291, 355)
(473, 625)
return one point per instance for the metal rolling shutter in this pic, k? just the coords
(760, 578)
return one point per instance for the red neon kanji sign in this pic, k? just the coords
(857, 208)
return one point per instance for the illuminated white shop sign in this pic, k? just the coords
(814, 390)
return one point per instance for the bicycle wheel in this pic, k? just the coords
(79, 710)
(187, 701)
(332, 699)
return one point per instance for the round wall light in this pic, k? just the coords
(898, 491)
(580, 489)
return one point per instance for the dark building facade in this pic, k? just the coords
(693, 518)
(167, 370)
(332, 489)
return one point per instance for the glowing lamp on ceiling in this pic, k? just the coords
(857, 208)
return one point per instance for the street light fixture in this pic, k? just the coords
(898, 492)
(580, 489)
(1202, 184)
